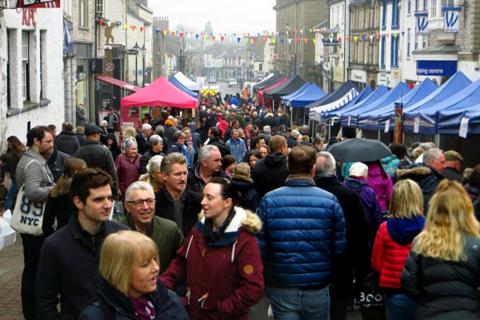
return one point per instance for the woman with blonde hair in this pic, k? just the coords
(443, 268)
(392, 245)
(154, 173)
(129, 267)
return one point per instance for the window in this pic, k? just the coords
(382, 53)
(10, 36)
(384, 15)
(433, 6)
(395, 14)
(448, 3)
(417, 8)
(26, 65)
(409, 44)
(416, 41)
(394, 51)
(424, 5)
(43, 67)
(424, 41)
(409, 6)
(83, 12)
(99, 7)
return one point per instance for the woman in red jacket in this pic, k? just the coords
(220, 259)
(392, 246)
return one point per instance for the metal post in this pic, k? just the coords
(136, 69)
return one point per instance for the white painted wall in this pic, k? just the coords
(50, 21)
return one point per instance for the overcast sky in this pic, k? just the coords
(226, 16)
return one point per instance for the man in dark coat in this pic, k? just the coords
(427, 175)
(209, 165)
(143, 138)
(96, 155)
(453, 166)
(68, 267)
(270, 173)
(67, 142)
(356, 259)
(173, 200)
(156, 147)
(215, 140)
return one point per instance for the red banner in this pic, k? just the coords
(38, 4)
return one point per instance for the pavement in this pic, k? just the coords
(11, 266)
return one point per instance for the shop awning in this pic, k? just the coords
(119, 83)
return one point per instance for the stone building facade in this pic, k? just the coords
(363, 42)
(31, 69)
(294, 23)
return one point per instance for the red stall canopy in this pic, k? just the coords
(161, 93)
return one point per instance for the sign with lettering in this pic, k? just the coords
(38, 4)
(421, 25)
(436, 67)
(451, 18)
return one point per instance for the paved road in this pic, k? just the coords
(11, 266)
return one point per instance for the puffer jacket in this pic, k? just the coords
(223, 278)
(445, 290)
(391, 248)
(381, 183)
(304, 229)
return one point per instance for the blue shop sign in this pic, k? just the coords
(436, 67)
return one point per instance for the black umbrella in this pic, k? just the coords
(360, 150)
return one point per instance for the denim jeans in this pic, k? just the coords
(298, 304)
(399, 306)
(10, 199)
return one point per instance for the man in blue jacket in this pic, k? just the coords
(303, 231)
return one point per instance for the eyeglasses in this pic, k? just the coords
(140, 202)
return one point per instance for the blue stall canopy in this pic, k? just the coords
(412, 119)
(180, 86)
(336, 114)
(286, 99)
(302, 98)
(347, 92)
(186, 82)
(291, 85)
(388, 98)
(386, 115)
(461, 122)
(335, 95)
(348, 118)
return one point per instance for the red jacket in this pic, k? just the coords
(229, 272)
(388, 258)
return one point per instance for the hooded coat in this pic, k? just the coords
(223, 278)
(270, 173)
(368, 202)
(428, 180)
(381, 183)
(391, 248)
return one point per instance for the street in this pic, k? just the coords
(11, 265)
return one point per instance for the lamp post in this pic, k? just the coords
(143, 50)
(137, 49)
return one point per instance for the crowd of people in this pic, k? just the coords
(205, 219)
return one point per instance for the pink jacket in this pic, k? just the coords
(381, 183)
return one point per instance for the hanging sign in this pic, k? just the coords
(416, 124)
(349, 120)
(38, 4)
(451, 18)
(463, 128)
(387, 126)
(421, 25)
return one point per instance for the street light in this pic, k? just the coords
(143, 50)
(136, 49)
